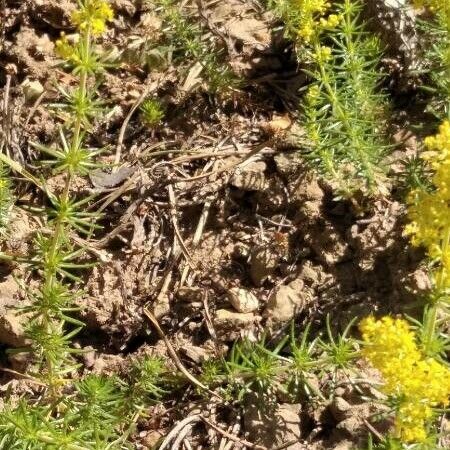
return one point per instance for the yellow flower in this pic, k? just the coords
(429, 212)
(65, 50)
(93, 15)
(419, 384)
(322, 54)
(311, 18)
(331, 21)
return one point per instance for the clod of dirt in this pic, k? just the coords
(327, 243)
(263, 263)
(272, 428)
(20, 233)
(311, 275)
(319, 233)
(107, 364)
(415, 284)
(11, 322)
(273, 198)
(124, 6)
(190, 294)
(287, 164)
(250, 177)
(161, 307)
(195, 353)
(340, 408)
(231, 325)
(344, 445)
(242, 300)
(33, 53)
(352, 420)
(250, 32)
(55, 13)
(248, 36)
(287, 300)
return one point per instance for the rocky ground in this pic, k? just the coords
(212, 220)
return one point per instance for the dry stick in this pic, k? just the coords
(174, 356)
(208, 318)
(374, 431)
(227, 167)
(4, 110)
(225, 443)
(197, 237)
(173, 213)
(24, 376)
(198, 233)
(232, 437)
(124, 126)
(181, 436)
(178, 428)
(35, 107)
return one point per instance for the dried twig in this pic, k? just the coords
(232, 436)
(127, 119)
(178, 429)
(174, 356)
(173, 213)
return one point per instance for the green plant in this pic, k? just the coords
(97, 413)
(57, 256)
(288, 367)
(6, 199)
(344, 108)
(148, 381)
(152, 112)
(437, 56)
(182, 45)
(94, 412)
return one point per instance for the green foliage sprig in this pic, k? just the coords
(6, 200)
(56, 254)
(152, 112)
(182, 44)
(344, 109)
(289, 367)
(96, 413)
(437, 55)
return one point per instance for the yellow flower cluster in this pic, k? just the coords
(93, 16)
(419, 383)
(429, 212)
(322, 54)
(313, 18)
(65, 50)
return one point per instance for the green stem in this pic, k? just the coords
(49, 322)
(432, 315)
(357, 144)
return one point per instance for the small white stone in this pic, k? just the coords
(242, 300)
(32, 89)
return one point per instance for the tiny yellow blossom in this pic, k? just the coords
(65, 50)
(330, 22)
(93, 15)
(429, 211)
(322, 54)
(311, 18)
(419, 384)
